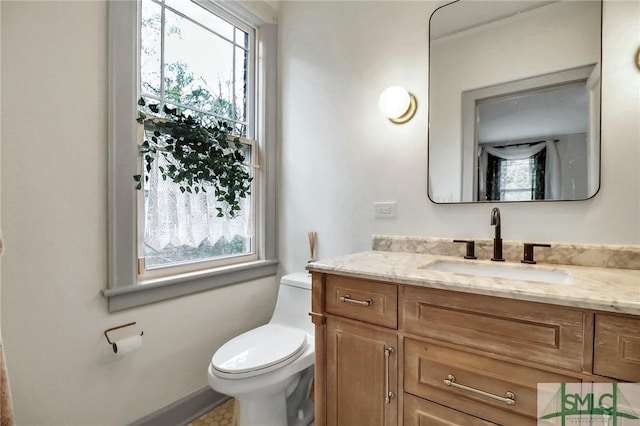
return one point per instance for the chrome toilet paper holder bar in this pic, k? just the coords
(106, 332)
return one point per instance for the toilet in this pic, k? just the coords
(269, 370)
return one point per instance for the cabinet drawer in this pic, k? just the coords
(617, 347)
(419, 412)
(363, 300)
(529, 331)
(427, 366)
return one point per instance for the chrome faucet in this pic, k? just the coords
(497, 239)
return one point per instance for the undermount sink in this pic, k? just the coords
(497, 270)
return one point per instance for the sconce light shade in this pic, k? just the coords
(398, 105)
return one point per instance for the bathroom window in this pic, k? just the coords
(203, 64)
(201, 59)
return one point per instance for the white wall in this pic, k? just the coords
(54, 209)
(339, 155)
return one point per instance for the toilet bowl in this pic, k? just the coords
(269, 369)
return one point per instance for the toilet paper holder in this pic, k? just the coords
(106, 332)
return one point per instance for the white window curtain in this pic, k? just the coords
(553, 173)
(184, 219)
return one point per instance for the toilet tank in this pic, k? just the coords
(294, 302)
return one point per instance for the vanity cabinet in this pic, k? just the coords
(393, 354)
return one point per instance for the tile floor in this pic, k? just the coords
(223, 415)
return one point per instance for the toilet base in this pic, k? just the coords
(272, 412)
(300, 408)
(305, 415)
(287, 407)
(268, 410)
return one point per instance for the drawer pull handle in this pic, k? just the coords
(347, 299)
(509, 399)
(388, 395)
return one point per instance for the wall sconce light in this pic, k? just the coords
(398, 105)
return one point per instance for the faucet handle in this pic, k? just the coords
(471, 248)
(528, 252)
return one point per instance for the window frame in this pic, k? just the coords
(124, 289)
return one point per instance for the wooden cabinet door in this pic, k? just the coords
(617, 347)
(362, 363)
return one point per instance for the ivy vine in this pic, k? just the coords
(200, 157)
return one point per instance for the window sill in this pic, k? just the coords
(160, 289)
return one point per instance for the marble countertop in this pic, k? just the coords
(603, 289)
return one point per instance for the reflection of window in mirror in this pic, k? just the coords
(515, 180)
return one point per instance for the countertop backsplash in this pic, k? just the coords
(604, 256)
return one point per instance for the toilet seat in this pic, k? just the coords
(259, 351)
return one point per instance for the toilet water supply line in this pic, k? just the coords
(313, 239)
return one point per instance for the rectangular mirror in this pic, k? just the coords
(514, 101)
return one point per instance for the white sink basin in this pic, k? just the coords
(500, 270)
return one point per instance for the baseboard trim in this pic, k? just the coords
(185, 410)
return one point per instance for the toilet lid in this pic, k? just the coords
(259, 349)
